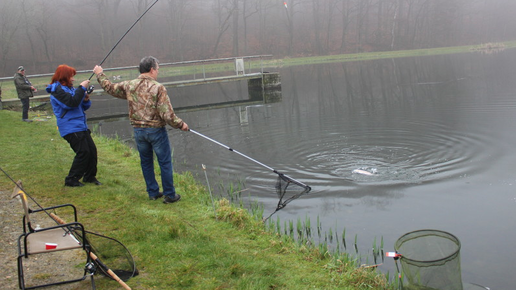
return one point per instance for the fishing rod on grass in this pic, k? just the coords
(90, 88)
(285, 193)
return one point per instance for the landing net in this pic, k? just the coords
(430, 259)
(288, 189)
(114, 254)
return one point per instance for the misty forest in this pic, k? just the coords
(41, 34)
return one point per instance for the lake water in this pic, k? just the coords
(438, 131)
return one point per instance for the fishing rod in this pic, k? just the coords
(21, 188)
(90, 89)
(288, 178)
(94, 256)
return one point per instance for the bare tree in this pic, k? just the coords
(395, 23)
(28, 15)
(177, 18)
(144, 27)
(267, 30)
(316, 13)
(80, 32)
(290, 10)
(235, 14)
(249, 8)
(10, 20)
(331, 9)
(346, 20)
(362, 28)
(224, 13)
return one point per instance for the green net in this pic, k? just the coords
(112, 255)
(430, 259)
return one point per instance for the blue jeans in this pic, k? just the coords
(150, 141)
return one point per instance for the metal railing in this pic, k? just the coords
(203, 62)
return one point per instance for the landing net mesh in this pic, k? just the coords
(430, 259)
(288, 189)
(112, 254)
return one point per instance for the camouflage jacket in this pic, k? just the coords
(149, 104)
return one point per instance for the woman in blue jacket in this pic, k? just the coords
(69, 104)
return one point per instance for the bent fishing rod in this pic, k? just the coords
(90, 89)
(253, 160)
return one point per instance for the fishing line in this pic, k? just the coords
(90, 89)
(21, 188)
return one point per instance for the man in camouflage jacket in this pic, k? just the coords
(150, 111)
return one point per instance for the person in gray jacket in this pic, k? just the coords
(25, 91)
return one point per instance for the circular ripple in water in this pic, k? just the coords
(414, 154)
(411, 153)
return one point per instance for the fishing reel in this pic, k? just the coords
(90, 268)
(90, 89)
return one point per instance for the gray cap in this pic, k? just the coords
(21, 68)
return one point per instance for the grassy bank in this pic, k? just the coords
(177, 246)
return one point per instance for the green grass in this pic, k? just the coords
(176, 246)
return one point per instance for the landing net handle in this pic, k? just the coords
(283, 176)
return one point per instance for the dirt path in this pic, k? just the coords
(44, 267)
(10, 215)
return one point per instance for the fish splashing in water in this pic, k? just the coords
(365, 171)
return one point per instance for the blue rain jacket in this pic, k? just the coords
(69, 108)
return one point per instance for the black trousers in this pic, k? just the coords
(25, 108)
(85, 161)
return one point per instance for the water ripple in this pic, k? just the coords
(413, 154)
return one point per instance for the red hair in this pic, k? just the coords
(63, 75)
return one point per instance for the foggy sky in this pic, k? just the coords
(41, 34)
